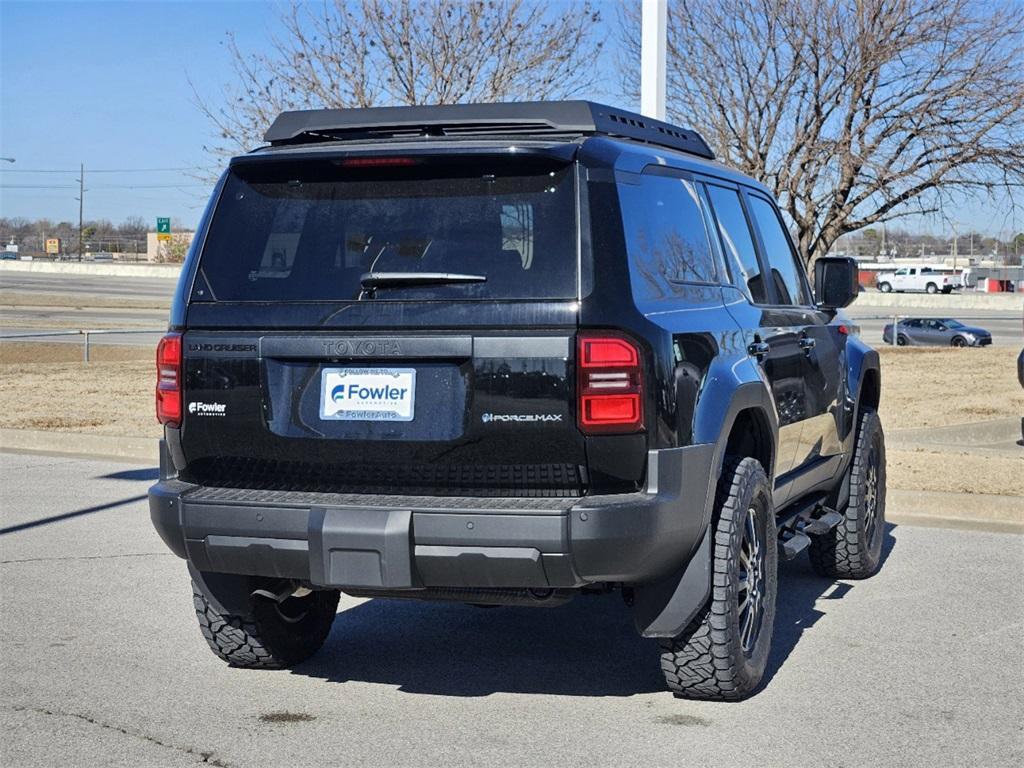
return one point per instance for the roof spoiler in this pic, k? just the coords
(531, 119)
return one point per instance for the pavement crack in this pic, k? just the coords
(204, 757)
(87, 557)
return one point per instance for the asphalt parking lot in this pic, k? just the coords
(101, 661)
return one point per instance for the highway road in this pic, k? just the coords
(1006, 326)
(102, 664)
(82, 287)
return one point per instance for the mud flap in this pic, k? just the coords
(665, 607)
(229, 594)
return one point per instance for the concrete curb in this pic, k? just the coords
(105, 269)
(926, 508)
(79, 444)
(989, 432)
(979, 511)
(967, 300)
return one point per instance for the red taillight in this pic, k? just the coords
(610, 386)
(168, 380)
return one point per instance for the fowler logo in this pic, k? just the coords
(529, 418)
(199, 408)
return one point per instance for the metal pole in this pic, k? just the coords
(86, 347)
(653, 45)
(895, 321)
(81, 203)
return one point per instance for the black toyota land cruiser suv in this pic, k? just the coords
(509, 354)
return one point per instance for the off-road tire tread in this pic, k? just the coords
(247, 641)
(705, 661)
(841, 553)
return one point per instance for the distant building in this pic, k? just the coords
(173, 251)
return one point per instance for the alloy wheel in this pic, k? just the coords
(750, 592)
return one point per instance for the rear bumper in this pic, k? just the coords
(368, 542)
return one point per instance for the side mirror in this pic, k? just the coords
(836, 281)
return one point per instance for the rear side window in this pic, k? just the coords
(665, 235)
(786, 273)
(308, 231)
(738, 242)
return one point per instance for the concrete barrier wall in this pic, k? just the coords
(104, 269)
(964, 300)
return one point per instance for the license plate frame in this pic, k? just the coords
(370, 400)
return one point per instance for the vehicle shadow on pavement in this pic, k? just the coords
(585, 648)
(799, 590)
(588, 647)
(149, 473)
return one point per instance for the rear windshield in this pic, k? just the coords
(308, 231)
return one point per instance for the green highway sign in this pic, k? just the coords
(163, 226)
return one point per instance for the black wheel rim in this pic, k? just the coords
(750, 592)
(870, 497)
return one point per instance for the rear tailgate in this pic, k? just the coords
(329, 346)
(481, 413)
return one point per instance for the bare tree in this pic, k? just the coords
(854, 112)
(362, 53)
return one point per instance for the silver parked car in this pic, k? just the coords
(945, 332)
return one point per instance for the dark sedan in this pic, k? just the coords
(916, 331)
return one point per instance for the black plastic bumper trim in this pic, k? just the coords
(370, 542)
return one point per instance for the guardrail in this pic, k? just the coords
(87, 334)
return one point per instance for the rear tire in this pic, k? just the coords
(901, 340)
(269, 635)
(853, 549)
(722, 654)
(931, 288)
(885, 287)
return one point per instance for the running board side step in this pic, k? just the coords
(793, 545)
(808, 518)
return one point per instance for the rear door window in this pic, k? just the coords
(665, 235)
(308, 231)
(787, 274)
(738, 242)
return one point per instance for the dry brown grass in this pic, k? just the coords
(937, 387)
(46, 386)
(34, 299)
(953, 471)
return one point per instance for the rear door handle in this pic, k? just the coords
(806, 344)
(758, 349)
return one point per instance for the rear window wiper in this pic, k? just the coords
(373, 280)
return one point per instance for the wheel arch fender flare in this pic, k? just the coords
(666, 606)
(863, 380)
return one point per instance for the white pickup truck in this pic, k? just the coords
(917, 279)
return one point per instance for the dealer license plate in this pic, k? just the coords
(367, 394)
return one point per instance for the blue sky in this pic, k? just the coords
(107, 84)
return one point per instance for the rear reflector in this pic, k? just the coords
(609, 385)
(168, 380)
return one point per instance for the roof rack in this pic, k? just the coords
(536, 119)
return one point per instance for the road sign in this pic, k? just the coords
(163, 229)
(53, 245)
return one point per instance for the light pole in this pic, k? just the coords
(81, 205)
(7, 159)
(653, 44)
